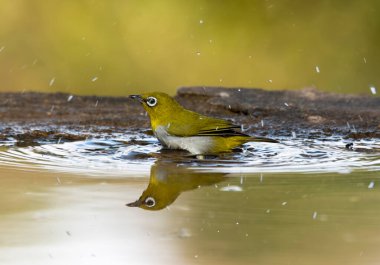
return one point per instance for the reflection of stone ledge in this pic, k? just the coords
(308, 112)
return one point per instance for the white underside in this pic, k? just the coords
(194, 144)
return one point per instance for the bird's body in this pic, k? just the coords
(178, 128)
(199, 144)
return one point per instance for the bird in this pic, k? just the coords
(178, 128)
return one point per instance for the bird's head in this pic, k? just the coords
(158, 105)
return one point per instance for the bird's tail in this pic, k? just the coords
(262, 139)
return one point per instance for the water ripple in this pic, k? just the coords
(135, 153)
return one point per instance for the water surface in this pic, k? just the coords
(298, 202)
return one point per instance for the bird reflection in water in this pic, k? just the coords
(168, 180)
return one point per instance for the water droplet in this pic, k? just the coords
(317, 69)
(2, 48)
(371, 185)
(270, 81)
(69, 98)
(94, 79)
(231, 188)
(284, 203)
(201, 21)
(52, 81)
(224, 95)
(373, 90)
(365, 60)
(198, 53)
(315, 214)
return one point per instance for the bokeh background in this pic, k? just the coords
(119, 47)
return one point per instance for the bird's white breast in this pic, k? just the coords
(194, 144)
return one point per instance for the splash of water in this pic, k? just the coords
(134, 154)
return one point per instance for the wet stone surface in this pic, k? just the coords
(28, 118)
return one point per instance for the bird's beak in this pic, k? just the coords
(137, 97)
(134, 204)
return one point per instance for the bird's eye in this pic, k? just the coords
(150, 202)
(151, 101)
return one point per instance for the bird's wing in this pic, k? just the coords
(226, 131)
(204, 126)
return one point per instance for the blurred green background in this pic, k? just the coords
(121, 47)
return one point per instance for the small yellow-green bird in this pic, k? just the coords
(178, 128)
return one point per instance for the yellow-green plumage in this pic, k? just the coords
(167, 181)
(179, 128)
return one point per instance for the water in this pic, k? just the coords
(303, 201)
(120, 155)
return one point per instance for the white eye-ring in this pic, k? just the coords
(151, 101)
(150, 202)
